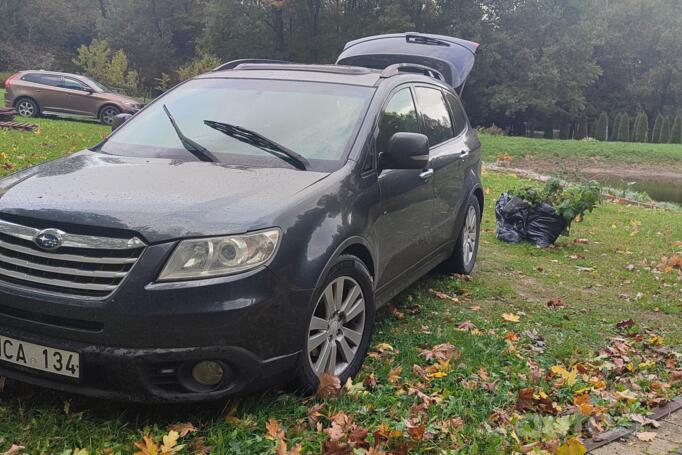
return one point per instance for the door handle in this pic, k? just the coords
(426, 175)
(464, 153)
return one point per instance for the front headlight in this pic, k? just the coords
(216, 256)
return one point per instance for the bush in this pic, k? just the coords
(613, 131)
(676, 132)
(665, 131)
(601, 127)
(641, 130)
(623, 133)
(4, 75)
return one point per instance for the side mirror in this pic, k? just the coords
(89, 91)
(406, 151)
(119, 120)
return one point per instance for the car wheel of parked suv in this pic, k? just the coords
(26, 107)
(340, 324)
(463, 257)
(108, 113)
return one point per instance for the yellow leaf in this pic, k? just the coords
(170, 442)
(569, 377)
(511, 317)
(80, 452)
(572, 447)
(394, 374)
(147, 447)
(438, 374)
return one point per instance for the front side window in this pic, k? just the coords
(435, 115)
(400, 116)
(72, 84)
(315, 120)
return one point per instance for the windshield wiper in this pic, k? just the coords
(192, 147)
(262, 142)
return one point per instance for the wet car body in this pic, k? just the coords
(139, 341)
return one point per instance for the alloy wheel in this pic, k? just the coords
(469, 235)
(337, 327)
(108, 115)
(26, 109)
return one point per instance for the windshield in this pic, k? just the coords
(315, 120)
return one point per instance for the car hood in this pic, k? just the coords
(159, 199)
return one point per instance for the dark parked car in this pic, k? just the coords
(33, 93)
(242, 229)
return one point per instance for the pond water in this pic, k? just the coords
(658, 190)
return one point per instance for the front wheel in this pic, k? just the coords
(339, 324)
(464, 255)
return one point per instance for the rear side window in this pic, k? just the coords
(459, 117)
(35, 78)
(44, 79)
(400, 116)
(435, 115)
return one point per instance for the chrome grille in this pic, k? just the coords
(82, 265)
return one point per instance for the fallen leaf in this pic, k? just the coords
(15, 449)
(147, 446)
(330, 386)
(511, 317)
(444, 296)
(572, 447)
(273, 429)
(396, 312)
(183, 429)
(646, 436)
(466, 326)
(626, 324)
(394, 374)
(555, 303)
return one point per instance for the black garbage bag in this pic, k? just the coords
(511, 214)
(517, 221)
(544, 225)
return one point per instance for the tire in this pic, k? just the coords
(343, 339)
(27, 107)
(464, 255)
(107, 114)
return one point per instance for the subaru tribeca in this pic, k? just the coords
(243, 229)
(33, 93)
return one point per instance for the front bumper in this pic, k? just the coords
(135, 344)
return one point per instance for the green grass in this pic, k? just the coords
(495, 147)
(54, 138)
(593, 280)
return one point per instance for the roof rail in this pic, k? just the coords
(235, 63)
(398, 68)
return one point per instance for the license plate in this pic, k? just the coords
(39, 357)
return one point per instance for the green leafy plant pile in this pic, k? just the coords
(570, 202)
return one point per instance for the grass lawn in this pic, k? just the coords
(495, 147)
(518, 345)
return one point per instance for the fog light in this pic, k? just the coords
(208, 373)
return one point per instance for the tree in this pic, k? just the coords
(641, 129)
(665, 131)
(97, 61)
(676, 132)
(656, 132)
(582, 130)
(623, 134)
(613, 131)
(201, 64)
(601, 127)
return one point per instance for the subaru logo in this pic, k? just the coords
(49, 239)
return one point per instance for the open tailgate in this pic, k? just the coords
(452, 57)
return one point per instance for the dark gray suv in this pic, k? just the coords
(243, 229)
